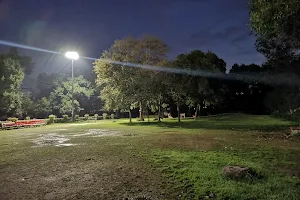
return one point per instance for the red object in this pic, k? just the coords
(24, 123)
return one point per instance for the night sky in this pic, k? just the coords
(91, 26)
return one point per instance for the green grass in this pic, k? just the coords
(167, 160)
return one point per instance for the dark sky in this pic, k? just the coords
(91, 26)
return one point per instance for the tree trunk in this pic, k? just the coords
(130, 119)
(196, 112)
(141, 112)
(178, 112)
(148, 115)
(159, 110)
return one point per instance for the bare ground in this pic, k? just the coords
(95, 170)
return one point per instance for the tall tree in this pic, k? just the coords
(61, 97)
(276, 24)
(133, 83)
(201, 91)
(11, 77)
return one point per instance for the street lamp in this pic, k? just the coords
(73, 56)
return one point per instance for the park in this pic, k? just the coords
(113, 159)
(150, 100)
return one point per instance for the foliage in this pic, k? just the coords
(276, 24)
(96, 116)
(123, 87)
(28, 106)
(76, 117)
(12, 119)
(104, 115)
(27, 118)
(42, 107)
(51, 119)
(112, 116)
(11, 77)
(46, 83)
(86, 116)
(246, 95)
(199, 91)
(61, 97)
(66, 118)
(25, 61)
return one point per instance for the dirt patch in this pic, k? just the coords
(52, 139)
(98, 133)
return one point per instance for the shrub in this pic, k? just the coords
(66, 118)
(96, 116)
(51, 119)
(59, 120)
(104, 115)
(12, 119)
(27, 118)
(112, 116)
(76, 117)
(86, 116)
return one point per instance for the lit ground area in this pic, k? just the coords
(168, 160)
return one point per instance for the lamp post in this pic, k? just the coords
(73, 56)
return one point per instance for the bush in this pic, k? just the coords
(112, 116)
(96, 116)
(27, 118)
(12, 119)
(51, 119)
(59, 120)
(104, 115)
(66, 118)
(76, 117)
(86, 116)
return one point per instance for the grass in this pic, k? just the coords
(167, 160)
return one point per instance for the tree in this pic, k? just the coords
(177, 90)
(25, 61)
(61, 97)
(276, 24)
(46, 83)
(201, 91)
(11, 77)
(245, 94)
(43, 107)
(132, 85)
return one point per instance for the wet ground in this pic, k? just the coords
(75, 162)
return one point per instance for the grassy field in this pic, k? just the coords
(169, 160)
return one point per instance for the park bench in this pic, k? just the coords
(23, 123)
(295, 130)
(7, 124)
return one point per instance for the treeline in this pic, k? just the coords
(135, 76)
(194, 83)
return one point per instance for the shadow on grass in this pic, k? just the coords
(243, 122)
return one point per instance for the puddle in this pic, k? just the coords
(52, 139)
(130, 135)
(82, 124)
(98, 133)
